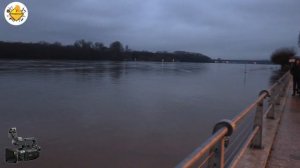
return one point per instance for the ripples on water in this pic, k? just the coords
(121, 114)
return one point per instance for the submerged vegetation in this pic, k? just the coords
(85, 50)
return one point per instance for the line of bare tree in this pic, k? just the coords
(86, 50)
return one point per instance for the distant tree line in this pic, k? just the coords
(86, 50)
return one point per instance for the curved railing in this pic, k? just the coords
(231, 138)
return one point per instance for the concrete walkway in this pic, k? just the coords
(286, 148)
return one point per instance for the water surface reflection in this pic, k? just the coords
(120, 114)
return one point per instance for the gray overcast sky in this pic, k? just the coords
(235, 29)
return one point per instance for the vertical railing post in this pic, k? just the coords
(220, 154)
(218, 161)
(271, 114)
(258, 122)
(279, 93)
(276, 95)
(285, 86)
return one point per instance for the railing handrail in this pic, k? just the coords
(246, 111)
(219, 135)
(278, 81)
(203, 149)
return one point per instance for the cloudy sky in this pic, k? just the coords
(234, 29)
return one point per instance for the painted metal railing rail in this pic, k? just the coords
(211, 153)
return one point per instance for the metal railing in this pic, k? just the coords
(231, 138)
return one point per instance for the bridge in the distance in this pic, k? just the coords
(265, 134)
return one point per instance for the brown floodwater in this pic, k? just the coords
(120, 114)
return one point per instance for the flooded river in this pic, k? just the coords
(88, 114)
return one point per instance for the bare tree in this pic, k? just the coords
(116, 47)
(281, 56)
(83, 44)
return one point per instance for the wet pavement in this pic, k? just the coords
(286, 148)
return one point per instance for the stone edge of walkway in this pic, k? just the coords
(258, 158)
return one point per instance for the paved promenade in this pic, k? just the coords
(281, 138)
(286, 148)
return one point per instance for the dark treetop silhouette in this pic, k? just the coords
(85, 50)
